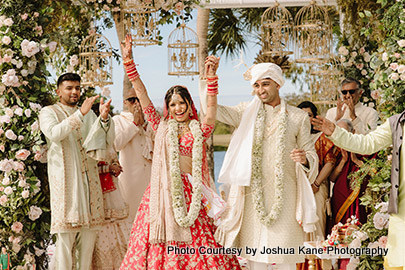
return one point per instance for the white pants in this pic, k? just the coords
(83, 240)
(266, 266)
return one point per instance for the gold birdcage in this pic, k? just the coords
(325, 81)
(95, 59)
(140, 19)
(312, 35)
(183, 51)
(276, 24)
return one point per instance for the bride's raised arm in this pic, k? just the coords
(132, 73)
(211, 66)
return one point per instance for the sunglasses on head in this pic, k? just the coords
(132, 99)
(352, 91)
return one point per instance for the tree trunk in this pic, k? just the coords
(119, 26)
(203, 16)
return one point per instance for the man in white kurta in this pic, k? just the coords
(349, 107)
(133, 140)
(75, 139)
(241, 225)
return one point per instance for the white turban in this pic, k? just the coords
(263, 71)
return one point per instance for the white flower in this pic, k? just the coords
(394, 76)
(8, 22)
(394, 66)
(362, 236)
(375, 94)
(35, 106)
(401, 69)
(18, 111)
(35, 126)
(385, 56)
(27, 112)
(16, 248)
(364, 72)
(401, 43)
(10, 135)
(25, 194)
(5, 119)
(17, 227)
(10, 78)
(24, 16)
(8, 190)
(353, 54)
(382, 206)
(402, 77)
(380, 220)
(9, 112)
(373, 245)
(6, 181)
(74, 60)
(24, 72)
(18, 166)
(22, 183)
(6, 165)
(29, 48)
(356, 243)
(366, 57)
(6, 40)
(34, 213)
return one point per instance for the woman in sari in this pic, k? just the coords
(171, 229)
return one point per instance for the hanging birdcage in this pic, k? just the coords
(325, 81)
(312, 34)
(276, 24)
(140, 19)
(183, 51)
(95, 60)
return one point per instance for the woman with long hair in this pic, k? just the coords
(171, 229)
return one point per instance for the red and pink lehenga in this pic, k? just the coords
(144, 254)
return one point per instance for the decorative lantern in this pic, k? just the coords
(325, 82)
(312, 34)
(183, 52)
(140, 19)
(277, 24)
(95, 60)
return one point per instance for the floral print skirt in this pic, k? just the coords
(143, 255)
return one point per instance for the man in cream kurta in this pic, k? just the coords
(76, 139)
(133, 140)
(364, 118)
(392, 133)
(241, 226)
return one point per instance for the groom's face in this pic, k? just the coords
(266, 90)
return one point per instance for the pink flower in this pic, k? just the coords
(17, 227)
(36, 14)
(29, 48)
(8, 22)
(394, 76)
(35, 126)
(375, 94)
(22, 154)
(364, 72)
(52, 46)
(6, 165)
(10, 78)
(353, 54)
(394, 66)
(2, 148)
(401, 69)
(397, 55)
(366, 57)
(5, 119)
(10, 135)
(7, 58)
(402, 77)
(360, 66)
(1, 188)
(38, 30)
(179, 7)
(6, 40)
(25, 194)
(27, 112)
(37, 156)
(3, 200)
(383, 241)
(362, 50)
(24, 16)
(6, 181)
(343, 51)
(380, 220)
(18, 166)
(356, 243)
(34, 213)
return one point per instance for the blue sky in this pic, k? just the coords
(153, 67)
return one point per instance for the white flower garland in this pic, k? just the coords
(183, 218)
(257, 173)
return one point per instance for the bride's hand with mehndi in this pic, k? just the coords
(126, 48)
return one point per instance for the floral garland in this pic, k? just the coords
(257, 173)
(179, 207)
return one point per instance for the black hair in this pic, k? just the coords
(350, 80)
(68, 77)
(181, 91)
(314, 110)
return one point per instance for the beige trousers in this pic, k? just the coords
(75, 248)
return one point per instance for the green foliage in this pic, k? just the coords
(222, 128)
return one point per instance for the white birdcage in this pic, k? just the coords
(276, 35)
(183, 51)
(325, 81)
(312, 34)
(140, 19)
(95, 60)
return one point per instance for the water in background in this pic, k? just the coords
(218, 159)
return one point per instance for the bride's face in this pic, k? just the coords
(179, 108)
